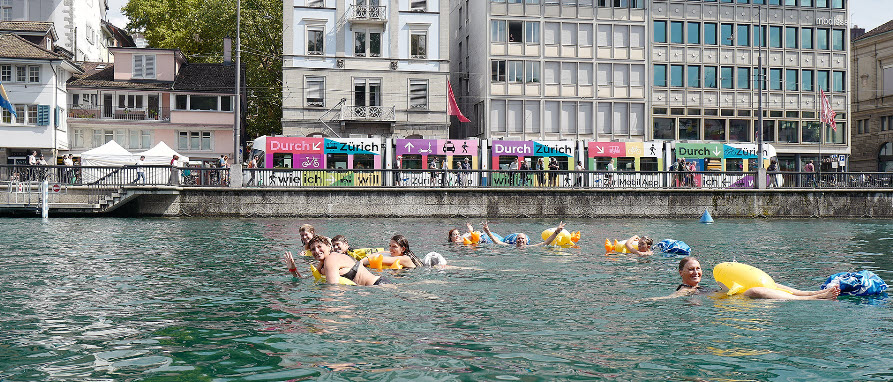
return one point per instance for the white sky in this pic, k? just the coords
(867, 14)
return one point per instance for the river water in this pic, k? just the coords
(209, 299)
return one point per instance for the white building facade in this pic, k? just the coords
(365, 68)
(705, 79)
(79, 23)
(34, 79)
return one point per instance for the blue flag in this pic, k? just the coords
(4, 101)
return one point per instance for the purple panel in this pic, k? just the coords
(511, 148)
(309, 161)
(416, 146)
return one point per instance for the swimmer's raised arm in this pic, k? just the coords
(486, 227)
(290, 263)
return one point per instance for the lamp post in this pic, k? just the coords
(236, 166)
(761, 176)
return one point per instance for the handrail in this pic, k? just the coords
(113, 177)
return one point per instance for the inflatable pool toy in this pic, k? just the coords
(322, 279)
(471, 238)
(862, 283)
(361, 253)
(511, 238)
(434, 259)
(617, 247)
(675, 247)
(376, 262)
(565, 239)
(739, 277)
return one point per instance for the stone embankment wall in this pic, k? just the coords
(498, 203)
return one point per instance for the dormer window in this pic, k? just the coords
(144, 66)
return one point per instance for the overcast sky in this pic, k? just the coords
(867, 14)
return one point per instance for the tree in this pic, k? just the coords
(198, 27)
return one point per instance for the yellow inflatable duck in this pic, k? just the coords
(322, 279)
(739, 277)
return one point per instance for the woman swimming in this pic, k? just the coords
(522, 240)
(399, 251)
(334, 265)
(690, 272)
(340, 244)
(455, 236)
(639, 245)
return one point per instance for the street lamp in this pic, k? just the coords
(761, 182)
(236, 166)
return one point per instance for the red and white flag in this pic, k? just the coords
(453, 108)
(827, 115)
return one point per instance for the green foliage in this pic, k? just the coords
(198, 27)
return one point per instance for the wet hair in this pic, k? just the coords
(339, 238)
(647, 240)
(403, 243)
(685, 261)
(450, 235)
(319, 238)
(307, 227)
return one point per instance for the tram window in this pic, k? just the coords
(648, 164)
(713, 164)
(626, 164)
(734, 164)
(336, 161)
(459, 160)
(412, 161)
(282, 160)
(361, 161)
(563, 163)
(752, 164)
(436, 161)
(505, 162)
(601, 164)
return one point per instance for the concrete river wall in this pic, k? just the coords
(508, 203)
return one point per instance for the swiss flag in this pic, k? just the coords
(453, 107)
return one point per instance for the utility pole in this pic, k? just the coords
(761, 173)
(236, 165)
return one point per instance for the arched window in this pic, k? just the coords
(885, 157)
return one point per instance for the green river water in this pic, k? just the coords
(210, 300)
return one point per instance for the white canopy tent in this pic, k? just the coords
(109, 154)
(161, 154)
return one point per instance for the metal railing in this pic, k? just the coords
(367, 13)
(116, 177)
(86, 111)
(369, 113)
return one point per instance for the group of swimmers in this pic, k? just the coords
(334, 262)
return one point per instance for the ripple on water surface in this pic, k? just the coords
(208, 299)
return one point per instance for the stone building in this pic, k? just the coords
(872, 85)
(550, 70)
(704, 64)
(357, 68)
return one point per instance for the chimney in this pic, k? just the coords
(227, 50)
(856, 32)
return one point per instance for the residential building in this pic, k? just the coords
(79, 23)
(34, 78)
(705, 79)
(365, 68)
(872, 86)
(153, 95)
(550, 70)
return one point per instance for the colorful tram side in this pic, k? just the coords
(318, 161)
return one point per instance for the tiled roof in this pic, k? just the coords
(14, 46)
(209, 78)
(26, 26)
(102, 75)
(888, 26)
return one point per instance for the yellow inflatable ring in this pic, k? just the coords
(322, 279)
(565, 239)
(739, 277)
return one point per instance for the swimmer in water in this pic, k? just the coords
(455, 236)
(398, 251)
(307, 232)
(522, 240)
(335, 265)
(340, 244)
(639, 245)
(690, 272)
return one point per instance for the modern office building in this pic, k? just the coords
(872, 86)
(704, 63)
(550, 70)
(356, 68)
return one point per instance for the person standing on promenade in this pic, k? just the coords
(175, 172)
(609, 176)
(68, 161)
(553, 172)
(140, 170)
(809, 169)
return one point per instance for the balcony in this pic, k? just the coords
(373, 14)
(87, 111)
(368, 113)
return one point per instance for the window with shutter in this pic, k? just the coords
(43, 115)
(418, 94)
(137, 66)
(315, 91)
(149, 66)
